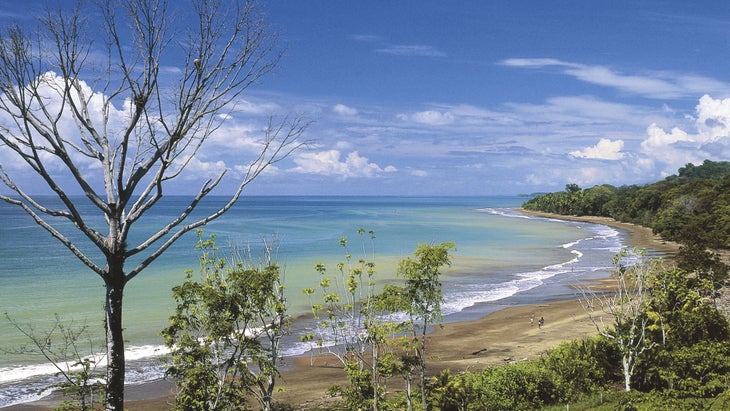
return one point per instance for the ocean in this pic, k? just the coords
(502, 258)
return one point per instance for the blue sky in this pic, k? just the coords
(487, 97)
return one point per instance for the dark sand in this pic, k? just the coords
(500, 337)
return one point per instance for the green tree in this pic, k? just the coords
(519, 386)
(627, 309)
(136, 127)
(423, 294)
(584, 365)
(355, 323)
(351, 323)
(707, 170)
(595, 200)
(692, 207)
(572, 188)
(693, 336)
(704, 266)
(225, 334)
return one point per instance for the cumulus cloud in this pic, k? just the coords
(235, 140)
(658, 139)
(713, 119)
(660, 85)
(677, 147)
(329, 163)
(605, 150)
(50, 85)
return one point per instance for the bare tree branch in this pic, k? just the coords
(93, 114)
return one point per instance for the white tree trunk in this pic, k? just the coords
(627, 373)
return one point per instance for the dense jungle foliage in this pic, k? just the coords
(687, 366)
(692, 206)
(676, 339)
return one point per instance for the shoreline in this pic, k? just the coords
(639, 236)
(499, 337)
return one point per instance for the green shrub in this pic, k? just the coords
(582, 366)
(520, 386)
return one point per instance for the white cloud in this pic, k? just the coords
(197, 167)
(429, 117)
(710, 139)
(329, 163)
(586, 111)
(235, 135)
(343, 145)
(642, 85)
(411, 50)
(713, 119)
(256, 108)
(50, 86)
(343, 110)
(532, 63)
(651, 84)
(237, 139)
(658, 139)
(605, 150)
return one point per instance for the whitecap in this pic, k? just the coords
(504, 212)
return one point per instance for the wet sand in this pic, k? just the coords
(498, 338)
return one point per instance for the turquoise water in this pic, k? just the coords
(502, 258)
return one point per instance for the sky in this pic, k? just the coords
(481, 97)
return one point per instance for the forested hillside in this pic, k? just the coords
(691, 207)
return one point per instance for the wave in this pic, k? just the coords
(25, 383)
(504, 212)
(603, 240)
(588, 255)
(522, 282)
(17, 373)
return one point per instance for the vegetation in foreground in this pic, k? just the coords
(682, 351)
(666, 345)
(225, 334)
(88, 108)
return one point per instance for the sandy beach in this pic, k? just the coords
(500, 337)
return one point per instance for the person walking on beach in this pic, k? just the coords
(532, 319)
(540, 322)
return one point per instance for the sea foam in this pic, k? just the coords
(588, 254)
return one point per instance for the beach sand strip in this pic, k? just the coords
(501, 337)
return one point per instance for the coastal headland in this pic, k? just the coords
(501, 337)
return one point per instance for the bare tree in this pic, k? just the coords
(625, 308)
(131, 127)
